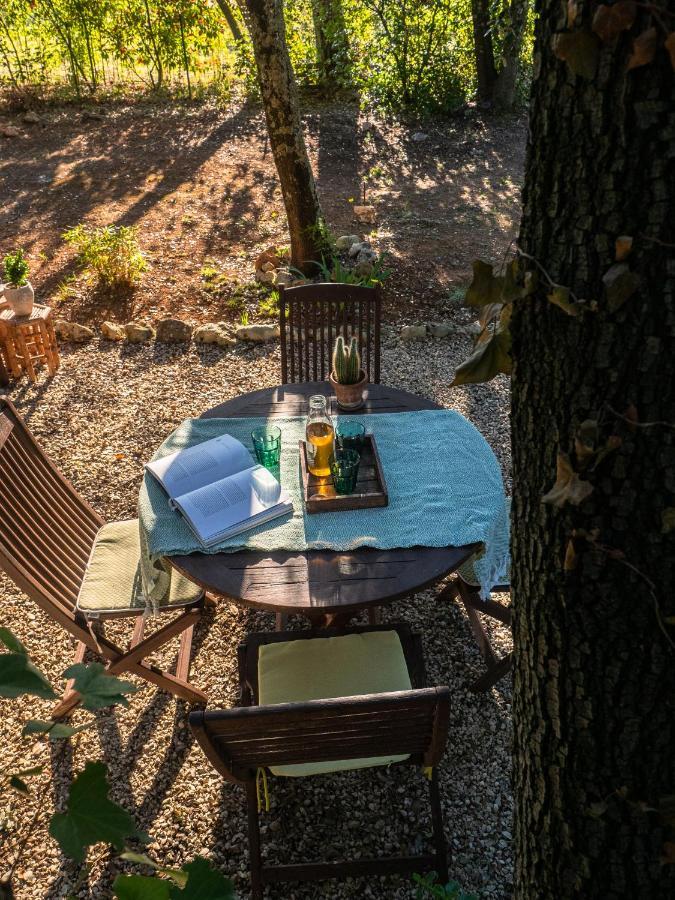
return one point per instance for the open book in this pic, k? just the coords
(219, 488)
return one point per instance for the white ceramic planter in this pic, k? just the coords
(20, 299)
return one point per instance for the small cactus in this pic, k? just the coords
(346, 362)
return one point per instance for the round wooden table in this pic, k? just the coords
(326, 586)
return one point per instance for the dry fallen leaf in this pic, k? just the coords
(644, 49)
(568, 487)
(669, 44)
(622, 246)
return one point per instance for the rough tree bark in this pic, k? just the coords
(594, 677)
(332, 44)
(265, 21)
(497, 79)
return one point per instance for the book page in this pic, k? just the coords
(232, 504)
(191, 469)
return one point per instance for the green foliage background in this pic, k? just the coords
(414, 55)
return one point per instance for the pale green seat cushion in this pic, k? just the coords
(112, 580)
(320, 668)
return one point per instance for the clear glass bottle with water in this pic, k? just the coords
(320, 435)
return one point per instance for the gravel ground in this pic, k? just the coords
(100, 419)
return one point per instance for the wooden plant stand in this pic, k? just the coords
(29, 340)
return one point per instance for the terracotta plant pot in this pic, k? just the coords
(20, 299)
(349, 396)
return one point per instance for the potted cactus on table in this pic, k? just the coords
(347, 377)
(18, 291)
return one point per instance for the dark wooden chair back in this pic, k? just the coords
(46, 529)
(238, 741)
(311, 316)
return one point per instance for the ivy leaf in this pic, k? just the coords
(669, 44)
(142, 859)
(488, 359)
(19, 676)
(560, 296)
(622, 247)
(586, 440)
(141, 887)
(488, 313)
(204, 883)
(96, 687)
(568, 487)
(12, 642)
(610, 21)
(579, 49)
(571, 560)
(90, 816)
(512, 288)
(486, 287)
(668, 520)
(572, 12)
(56, 730)
(644, 49)
(620, 283)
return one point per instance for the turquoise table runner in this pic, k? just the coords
(444, 482)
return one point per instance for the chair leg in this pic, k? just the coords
(70, 698)
(375, 615)
(254, 842)
(496, 667)
(440, 843)
(132, 661)
(493, 675)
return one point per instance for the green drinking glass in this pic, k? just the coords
(350, 434)
(345, 471)
(267, 446)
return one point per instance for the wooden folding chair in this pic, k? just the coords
(368, 706)
(466, 586)
(311, 316)
(82, 571)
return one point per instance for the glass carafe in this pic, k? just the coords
(320, 435)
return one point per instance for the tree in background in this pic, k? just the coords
(594, 397)
(498, 37)
(265, 21)
(231, 19)
(332, 44)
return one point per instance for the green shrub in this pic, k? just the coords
(112, 252)
(15, 268)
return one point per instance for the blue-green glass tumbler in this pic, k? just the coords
(267, 446)
(345, 471)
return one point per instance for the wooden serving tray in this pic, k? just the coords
(371, 488)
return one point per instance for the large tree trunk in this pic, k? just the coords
(332, 44)
(594, 677)
(485, 59)
(265, 20)
(497, 82)
(504, 88)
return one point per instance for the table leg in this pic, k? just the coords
(54, 360)
(10, 352)
(25, 353)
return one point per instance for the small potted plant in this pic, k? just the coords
(18, 289)
(347, 378)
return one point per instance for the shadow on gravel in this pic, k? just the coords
(121, 758)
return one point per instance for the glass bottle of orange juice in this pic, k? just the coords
(320, 435)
